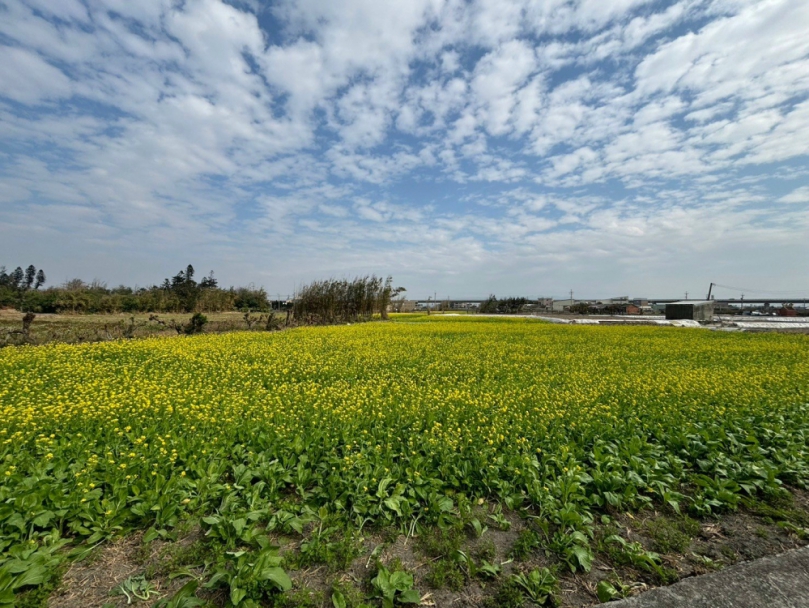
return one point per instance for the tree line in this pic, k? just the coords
(320, 302)
(23, 290)
(503, 306)
(344, 301)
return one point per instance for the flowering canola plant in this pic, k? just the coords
(384, 423)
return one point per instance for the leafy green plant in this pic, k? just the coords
(500, 519)
(487, 569)
(799, 531)
(478, 527)
(251, 575)
(573, 548)
(30, 564)
(608, 590)
(333, 545)
(634, 554)
(184, 598)
(346, 595)
(538, 585)
(705, 561)
(136, 587)
(395, 588)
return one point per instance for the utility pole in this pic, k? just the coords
(571, 297)
(742, 303)
(686, 295)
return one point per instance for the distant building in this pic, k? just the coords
(464, 305)
(562, 305)
(545, 303)
(402, 306)
(631, 309)
(694, 310)
(787, 311)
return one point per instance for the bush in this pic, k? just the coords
(196, 324)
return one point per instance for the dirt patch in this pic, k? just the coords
(90, 582)
(93, 581)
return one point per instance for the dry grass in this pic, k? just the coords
(79, 328)
(90, 582)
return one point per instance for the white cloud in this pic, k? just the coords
(27, 78)
(799, 195)
(497, 77)
(491, 132)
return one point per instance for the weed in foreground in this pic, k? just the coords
(527, 542)
(672, 535)
(508, 595)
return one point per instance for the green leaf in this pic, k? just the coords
(606, 592)
(239, 524)
(35, 575)
(338, 600)
(411, 596)
(296, 524)
(383, 485)
(236, 595)
(393, 505)
(6, 579)
(382, 582)
(277, 576)
(43, 518)
(15, 566)
(584, 557)
(401, 581)
(184, 598)
(218, 576)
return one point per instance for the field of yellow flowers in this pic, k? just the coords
(398, 423)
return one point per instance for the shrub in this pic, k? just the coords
(196, 324)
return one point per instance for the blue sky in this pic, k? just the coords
(630, 147)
